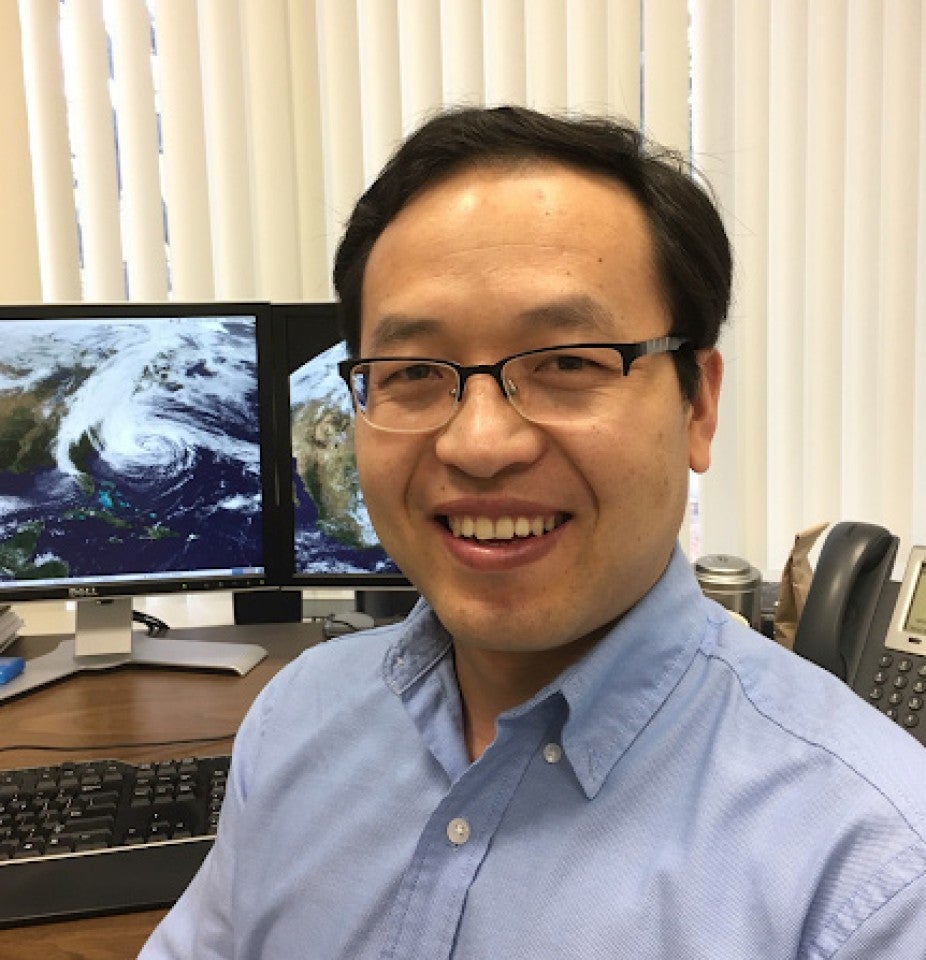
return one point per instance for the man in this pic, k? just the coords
(565, 751)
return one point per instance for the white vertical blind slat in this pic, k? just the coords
(860, 276)
(136, 122)
(824, 231)
(730, 96)
(666, 73)
(19, 255)
(53, 176)
(186, 190)
(86, 64)
(714, 153)
(308, 147)
(504, 53)
(918, 426)
(898, 269)
(273, 172)
(462, 51)
(587, 55)
(750, 316)
(225, 134)
(786, 270)
(419, 60)
(545, 27)
(380, 84)
(624, 30)
(339, 84)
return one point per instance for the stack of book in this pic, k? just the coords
(10, 624)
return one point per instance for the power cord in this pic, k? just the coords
(156, 627)
(70, 748)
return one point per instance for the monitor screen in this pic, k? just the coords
(916, 615)
(333, 541)
(130, 449)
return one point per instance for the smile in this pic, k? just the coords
(503, 528)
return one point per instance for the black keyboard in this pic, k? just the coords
(104, 836)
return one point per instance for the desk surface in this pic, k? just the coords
(90, 713)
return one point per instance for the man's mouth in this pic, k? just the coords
(503, 528)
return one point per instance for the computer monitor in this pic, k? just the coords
(326, 524)
(134, 460)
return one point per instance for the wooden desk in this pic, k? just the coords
(91, 712)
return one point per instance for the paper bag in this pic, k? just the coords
(795, 585)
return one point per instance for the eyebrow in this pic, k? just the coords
(577, 311)
(573, 312)
(398, 328)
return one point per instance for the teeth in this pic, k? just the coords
(504, 528)
(485, 529)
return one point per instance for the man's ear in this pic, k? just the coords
(702, 422)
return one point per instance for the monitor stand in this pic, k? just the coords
(104, 639)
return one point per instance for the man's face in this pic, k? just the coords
(487, 263)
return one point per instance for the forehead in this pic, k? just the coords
(512, 239)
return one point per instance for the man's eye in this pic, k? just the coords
(572, 369)
(419, 371)
(399, 375)
(557, 363)
(566, 362)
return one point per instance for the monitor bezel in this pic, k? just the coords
(318, 321)
(167, 583)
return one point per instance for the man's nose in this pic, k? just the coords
(487, 435)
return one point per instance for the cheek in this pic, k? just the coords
(634, 472)
(384, 464)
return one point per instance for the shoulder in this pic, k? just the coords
(844, 788)
(306, 714)
(338, 690)
(341, 667)
(810, 707)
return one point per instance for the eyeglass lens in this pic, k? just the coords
(556, 386)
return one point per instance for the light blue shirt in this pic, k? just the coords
(689, 790)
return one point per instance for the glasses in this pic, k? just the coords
(553, 385)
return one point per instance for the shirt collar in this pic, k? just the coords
(612, 693)
(421, 644)
(616, 689)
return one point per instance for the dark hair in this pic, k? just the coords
(693, 256)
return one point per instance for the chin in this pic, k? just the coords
(503, 628)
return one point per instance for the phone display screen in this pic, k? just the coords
(916, 614)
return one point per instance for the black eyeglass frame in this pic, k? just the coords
(628, 351)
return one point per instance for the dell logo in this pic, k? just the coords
(77, 592)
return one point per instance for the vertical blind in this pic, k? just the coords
(808, 117)
(211, 149)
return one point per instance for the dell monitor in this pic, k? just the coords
(326, 525)
(133, 461)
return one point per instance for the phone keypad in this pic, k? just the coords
(898, 688)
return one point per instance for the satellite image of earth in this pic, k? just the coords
(333, 532)
(128, 446)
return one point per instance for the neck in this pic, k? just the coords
(493, 681)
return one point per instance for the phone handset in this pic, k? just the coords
(855, 563)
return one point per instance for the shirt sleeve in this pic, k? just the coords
(200, 925)
(895, 928)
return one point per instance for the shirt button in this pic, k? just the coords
(553, 753)
(458, 831)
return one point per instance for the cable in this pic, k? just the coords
(66, 748)
(156, 627)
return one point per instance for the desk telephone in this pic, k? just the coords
(864, 627)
